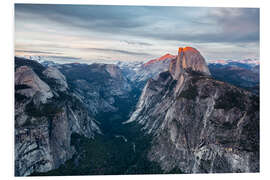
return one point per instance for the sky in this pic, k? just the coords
(81, 33)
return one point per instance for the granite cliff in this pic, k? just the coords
(46, 114)
(198, 124)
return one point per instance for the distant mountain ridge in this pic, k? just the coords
(244, 61)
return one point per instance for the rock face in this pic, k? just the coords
(162, 58)
(99, 86)
(242, 75)
(25, 76)
(46, 114)
(55, 74)
(198, 124)
(188, 58)
(138, 73)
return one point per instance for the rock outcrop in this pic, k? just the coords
(55, 74)
(198, 124)
(46, 114)
(25, 76)
(188, 58)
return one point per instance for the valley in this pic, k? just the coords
(174, 114)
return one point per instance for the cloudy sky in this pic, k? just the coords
(134, 33)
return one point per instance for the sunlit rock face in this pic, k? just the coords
(199, 125)
(188, 58)
(162, 58)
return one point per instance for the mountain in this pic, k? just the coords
(67, 99)
(242, 62)
(46, 114)
(139, 72)
(82, 119)
(241, 73)
(99, 86)
(162, 58)
(198, 124)
(188, 58)
(245, 76)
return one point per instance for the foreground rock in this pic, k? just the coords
(46, 114)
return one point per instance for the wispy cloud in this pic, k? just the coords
(105, 50)
(36, 52)
(137, 43)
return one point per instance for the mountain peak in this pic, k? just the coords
(166, 56)
(162, 58)
(188, 58)
(187, 49)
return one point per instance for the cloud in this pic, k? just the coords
(102, 18)
(36, 52)
(117, 51)
(137, 43)
(65, 58)
(212, 25)
(222, 25)
(239, 24)
(135, 27)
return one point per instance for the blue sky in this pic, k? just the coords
(134, 33)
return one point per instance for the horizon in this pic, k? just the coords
(82, 33)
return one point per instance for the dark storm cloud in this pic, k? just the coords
(116, 51)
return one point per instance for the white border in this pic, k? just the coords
(7, 73)
(207, 3)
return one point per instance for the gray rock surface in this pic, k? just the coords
(198, 124)
(188, 58)
(54, 73)
(98, 86)
(24, 75)
(139, 72)
(46, 115)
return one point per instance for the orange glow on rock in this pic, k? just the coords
(167, 56)
(162, 58)
(190, 49)
(180, 51)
